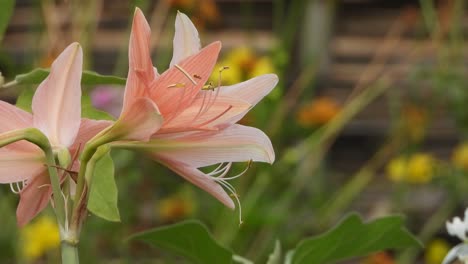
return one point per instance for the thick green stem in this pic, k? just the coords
(69, 253)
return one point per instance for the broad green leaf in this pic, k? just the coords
(103, 196)
(190, 239)
(275, 256)
(37, 75)
(6, 10)
(353, 238)
(89, 111)
(24, 100)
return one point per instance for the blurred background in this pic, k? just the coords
(370, 115)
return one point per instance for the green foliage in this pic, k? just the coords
(37, 75)
(353, 238)
(24, 100)
(6, 11)
(189, 239)
(88, 110)
(104, 195)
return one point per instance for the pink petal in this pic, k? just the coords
(199, 179)
(17, 166)
(236, 143)
(57, 103)
(33, 198)
(252, 90)
(139, 122)
(170, 100)
(222, 109)
(13, 118)
(186, 40)
(88, 129)
(141, 71)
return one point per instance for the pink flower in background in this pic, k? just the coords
(56, 108)
(108, 98)
(198, 126)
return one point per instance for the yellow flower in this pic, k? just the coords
(263, 65)
(420, 168)
(229, 76)
(460, 156)
(39, 237)
(416, 169)
(396, 169)
(175, 207)
(436, 251)
(318, 112)
(243, 57)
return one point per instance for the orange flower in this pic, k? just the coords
(318, 112)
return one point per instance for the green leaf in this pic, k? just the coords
(24, 100)
(190, 239)
(6, 10)
(88, 110)
(37, 75)
(103, 196)
(353, 238)
(275, 256)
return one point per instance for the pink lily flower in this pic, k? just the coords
(198, 126)
(56, 108)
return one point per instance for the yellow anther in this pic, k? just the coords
(176, 85)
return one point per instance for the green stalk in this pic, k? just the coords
(69, 253)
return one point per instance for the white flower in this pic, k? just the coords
(458, 227)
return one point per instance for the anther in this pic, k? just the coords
(185, 73)
(176, 85)
(196, 76)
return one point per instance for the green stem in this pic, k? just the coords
(69, 253)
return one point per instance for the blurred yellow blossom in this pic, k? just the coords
(243, 64)
(39, 237)
(435, 252)
(379, 258)
(229, 76)
(263, 65)
(318, 112)
(396, 169)
(416, 169)
(175, 207)
(420, 168)
(460, 156)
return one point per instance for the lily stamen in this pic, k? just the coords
(186, 74)
(176, 85)
(18, 187)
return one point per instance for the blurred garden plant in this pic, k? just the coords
(60, 152)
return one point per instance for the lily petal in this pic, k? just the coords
(252, 90)
(16, 166)
(56, 104)
(139, 122)
(88, 129)
(236, 143)
(199, 179)
(141, 71)
(169, 98)
(12, 118)
(222, 109)
(186, 40)
(33, 198)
